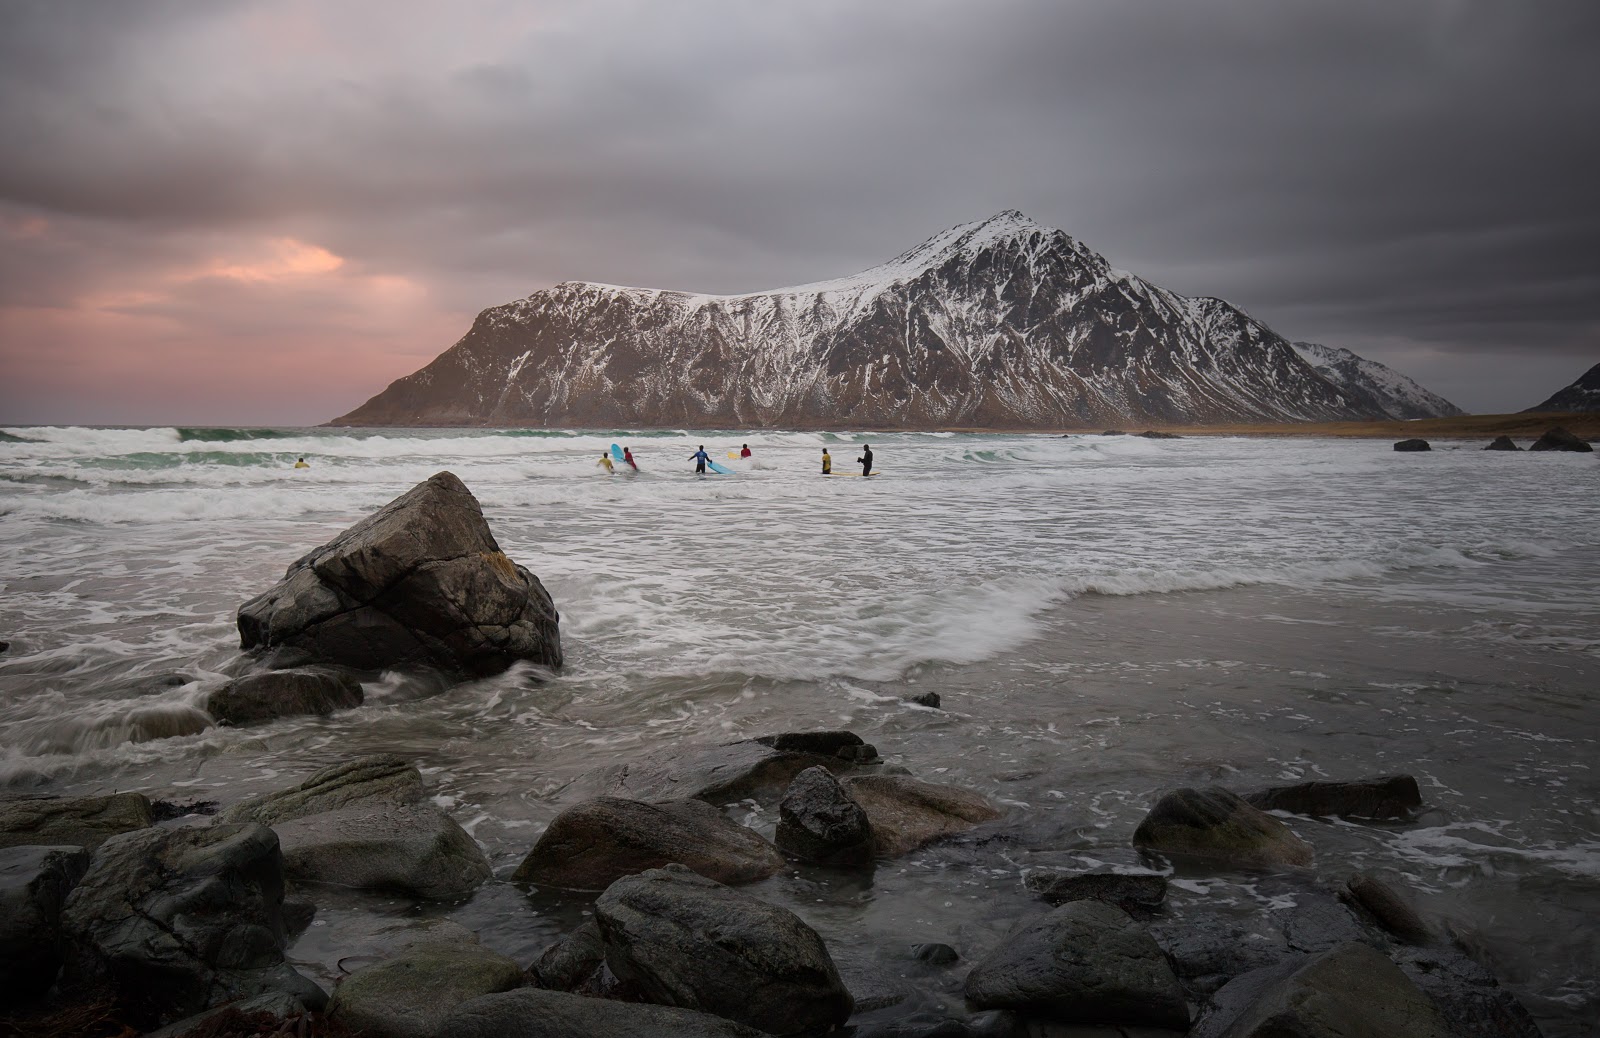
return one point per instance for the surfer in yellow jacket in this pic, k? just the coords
(827, 462)
(301, 464)
(605, 459)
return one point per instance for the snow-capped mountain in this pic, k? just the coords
(1582, 395)
(996, 324)
(1375, 386)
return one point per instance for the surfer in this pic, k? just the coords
(301, 464)
(605, 459)
(866, 459)
(827, 462)
(700, 457)
(627, 456)
(744, 450)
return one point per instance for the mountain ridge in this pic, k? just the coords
(1582, 394)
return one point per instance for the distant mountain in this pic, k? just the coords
(996, 324)
(1374, 386)
(1582, 395)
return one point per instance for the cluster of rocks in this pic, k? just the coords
(1148, 434)
(1555, 439)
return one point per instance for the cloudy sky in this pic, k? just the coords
(262, 212)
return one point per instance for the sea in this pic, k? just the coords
(1103, 617)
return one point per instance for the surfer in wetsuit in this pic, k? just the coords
(866, 459)
(301, 464)
(700, 457)
(744, 450)
(827, 462)
(627, 456)
(605, 459)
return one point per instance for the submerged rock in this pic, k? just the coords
(29, 819)
(928, 699)
(383, 777)
(1502, 443)
(1085, 962)
(679, 939)
(1413, 445)
(1558, 439)
(284, 693)
(171, 922)
(1133, 893)
(411, 995)
(715, 774)
(1215, 824)
(34, 884)
(412, 849)
(819, 822)
(533, 1013)
(906, 814)
(1388, 796)
(420, 582)
(591, 845)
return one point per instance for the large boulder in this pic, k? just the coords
(1085, 962)
(171, 922)
(411, 995)
(593, 844)
(384, 777)
(1351, 990)
(906, 814)
(284, 693)
(420, 582)
(1214, 824)
(678, 939)
(533, 1013)
(30, 819)
(819, 822)
(1388, 796)
(1502, 443)
(412, 849)
(1558, 439)
(34, 884)
(1413, 445)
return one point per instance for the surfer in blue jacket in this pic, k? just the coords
(700, 457)
(866, 459)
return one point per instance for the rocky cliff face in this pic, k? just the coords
(996, 324)
(1375, 387)
(1582, 395)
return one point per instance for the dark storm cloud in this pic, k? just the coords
(1416, 178)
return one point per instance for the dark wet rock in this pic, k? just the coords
(679, 939)
(1206, 955)
(872, 986)
(420, 582)
(1470, 998)
(34, 884)
(172, 810)
(1502, 443)
(1114, 432)
(935, 954)
(5, 646)
(593, 844)
(1318, 922)
(1214, 824)
(384, 777)
(1388, 796)
(284, 693)
(1347, 991)
(297, 915)
(1413, 445)
(263, 1014)
(819, 822)
(534, 1013)
(906, 814)
(1136, 894)
(823, 744)
(569, 963)
(927, 699)
(1558, 439)
(411, 995)
(715, 774)
(171, 922)
(1085, 962)
(1387, 907)
(412, 849)
(1151, 434)
(992, 1023)
(31, 819)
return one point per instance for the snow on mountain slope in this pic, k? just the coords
(1582, 395)
(1375, 385)
(1000, 323)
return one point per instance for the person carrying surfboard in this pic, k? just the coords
(605, 459)
(627, 456)
(866, 459)
(827, 462)
(700, 457)
(744, 450)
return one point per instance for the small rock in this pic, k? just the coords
(1114, 432)
(569, 963)
(819, 822)
(34, 884)
(680, 939)
(906, 814)
(412, 849)
(1085, 962)
(1151, 434)
(1215, 824)
(172, 810)
(823, 744)
(1502, 443)
(935, 954)
(1413, 445)
(284, 693)
(5, 646)
(1139, 893)
(1558, 439)
(927, 699)
(30, 819)
(1386, 906)
(591, 845)
(534, 1013)
(382, 777)
(716, 774)
(1388, 796)
(410, 996)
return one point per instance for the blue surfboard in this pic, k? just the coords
(616, 452)
(718, 469)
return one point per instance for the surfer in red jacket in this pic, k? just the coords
(627, 456)
(744, 450)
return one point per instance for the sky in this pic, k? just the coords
(261, 213)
